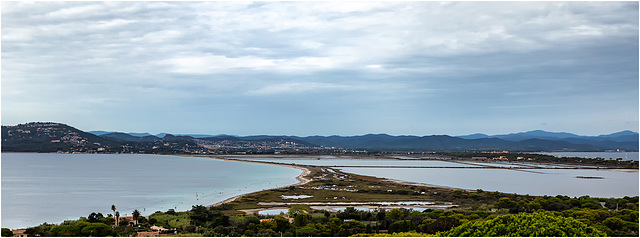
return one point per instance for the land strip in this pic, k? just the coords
(329, 183)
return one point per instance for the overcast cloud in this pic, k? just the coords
(322, 68)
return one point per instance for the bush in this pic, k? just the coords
(526, 224)
(98, 229)
(6, 232)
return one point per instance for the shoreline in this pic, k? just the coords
(301, 177)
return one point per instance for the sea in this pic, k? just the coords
(38, 188)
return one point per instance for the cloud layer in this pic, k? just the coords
(305, 68)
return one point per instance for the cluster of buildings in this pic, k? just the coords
(257, 146)
(334, 187)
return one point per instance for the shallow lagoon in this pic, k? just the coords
(39, 188)
(532, 181)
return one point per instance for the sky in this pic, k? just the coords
(322, 68)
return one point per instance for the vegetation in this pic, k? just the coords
(6, 232)
(526, 224)
(521, 216)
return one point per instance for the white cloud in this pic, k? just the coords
(158, 36)
(211, 64)
(380, 52)
(76, 11)
(18, 35)
(104, 25)
(295, 88)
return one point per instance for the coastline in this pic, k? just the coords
(301, 177)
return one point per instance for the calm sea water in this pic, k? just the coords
(605, 155)
(51, 188)
(533, 182)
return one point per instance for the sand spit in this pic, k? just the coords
(301, 178)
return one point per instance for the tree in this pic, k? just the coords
(117, 218)
(526, 224)
(401, 226)
(41, 230)
(308, 230)
(351, 228)
(94, 217)
(504, 202)
(113, 208)
(97, 229)
(301, 220)
(136, 215)
(6, 232)
(295, 210)
(443, 223)
(72, 228)
(282, 224)
(614, 223)
(334, 225)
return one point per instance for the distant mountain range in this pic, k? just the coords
(52, 137)
(537, 140)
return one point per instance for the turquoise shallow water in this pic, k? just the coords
(51, 188)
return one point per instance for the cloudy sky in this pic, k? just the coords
(328, 68)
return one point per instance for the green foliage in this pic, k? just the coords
(82, 228)
(398, 234)
(301, 219)
(162, 219)
(267, 233)
(209, 218)
(97, 229)
(350, 228)
(526, 224)
(296, 209)
(402, 226)
(282, 224)
(396, 214)
(6, 232)
(443, 223)
(311, 230)
(69, 229)
(41, 230)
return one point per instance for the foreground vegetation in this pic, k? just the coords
(559, 216)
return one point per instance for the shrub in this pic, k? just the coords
(526, 224)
